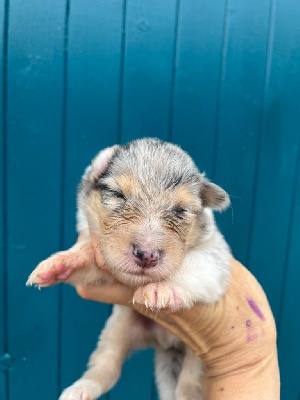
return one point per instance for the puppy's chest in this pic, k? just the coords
(154, 334)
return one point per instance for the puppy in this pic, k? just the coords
(151, 210)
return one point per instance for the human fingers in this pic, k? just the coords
(113, 293)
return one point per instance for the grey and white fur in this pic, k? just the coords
(151, 210)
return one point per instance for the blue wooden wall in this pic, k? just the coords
(219, 77)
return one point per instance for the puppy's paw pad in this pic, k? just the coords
(83, 389)
(54, 269)
(159, 295)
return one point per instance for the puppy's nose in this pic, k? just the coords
(145, 257)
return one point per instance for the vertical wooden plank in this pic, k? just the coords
(276, 168)
(198, 62)
(3, 338)
(92, 89)
(148, 65)
(238, 119)
(146, 104)
(34, 88)
(289, 323)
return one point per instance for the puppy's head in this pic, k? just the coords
(149, 205)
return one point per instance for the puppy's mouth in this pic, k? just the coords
(142, 268)
(143, 264)
(140, 262)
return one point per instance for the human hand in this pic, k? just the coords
(235, 337)
(112, 293)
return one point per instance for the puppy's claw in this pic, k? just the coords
(53, 270)
(156, 296)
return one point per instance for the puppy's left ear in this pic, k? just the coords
(102, 159)
(213, 196)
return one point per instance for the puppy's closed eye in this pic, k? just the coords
(117, 193)
(179, 211)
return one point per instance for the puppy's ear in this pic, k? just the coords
(101, 161)
(213, 196)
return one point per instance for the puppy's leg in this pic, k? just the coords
(167, 368)
(106, 361)
(189, 380)
(75, 266)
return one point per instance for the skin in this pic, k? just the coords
(235, 337)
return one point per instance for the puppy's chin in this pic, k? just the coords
(135, 280)
(128, 272)
(132, 268)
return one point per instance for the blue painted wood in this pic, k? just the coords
(289, 321)
(148, 66)
(92, 107)
(238, 120)
(3, 333)
(198, 62)
(277, 160)
(219, 78)
(34, 110)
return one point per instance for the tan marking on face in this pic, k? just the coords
(94, 209)
(126, 183)
(193, 234)
(183, 197)
(94, 202)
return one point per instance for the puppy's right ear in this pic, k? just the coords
(213, 196)
(101, 161)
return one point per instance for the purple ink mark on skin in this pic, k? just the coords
(248, 322)
(256, 309)
(232, 327)
(251, 337)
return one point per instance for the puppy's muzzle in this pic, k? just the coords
(145, 257)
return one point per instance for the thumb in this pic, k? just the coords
(114, 293)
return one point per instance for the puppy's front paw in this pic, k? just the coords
(159, 295)
(54, 269)
(83, 389)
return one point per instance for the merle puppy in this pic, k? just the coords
(151, 210)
